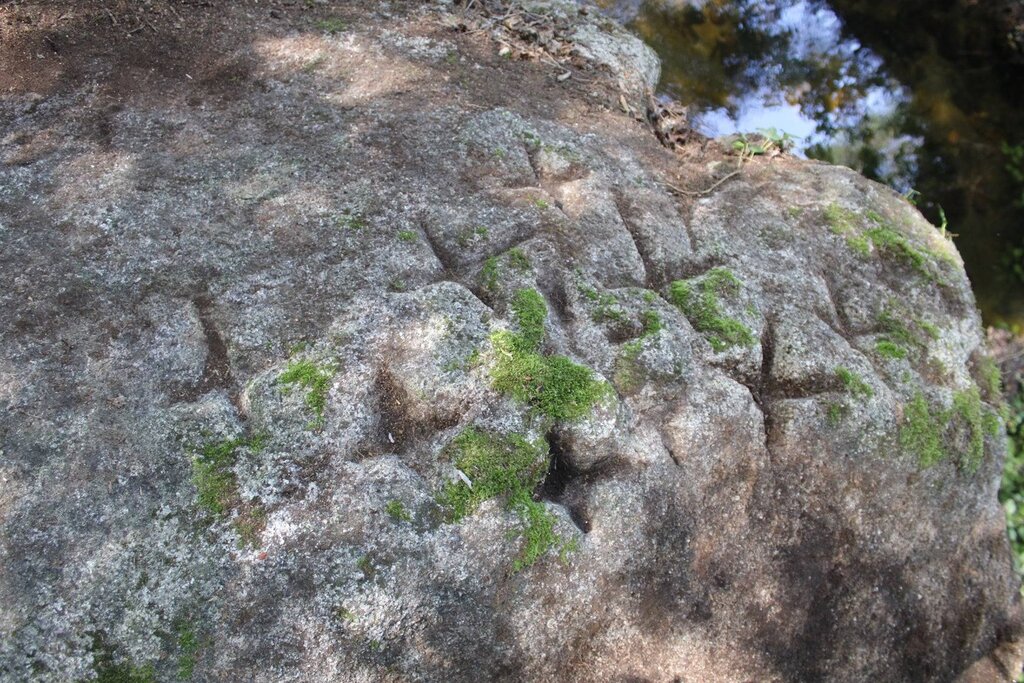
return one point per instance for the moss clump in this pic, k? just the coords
(881, 236)
(189, 646)
(109, 671)
(608, 309)
(991, 380)
(213, 476)
(922, 432)
(518, 260)
(396, 511)
(554, 385)
(890, 242)
(901, 335)
(509, 468)
(853, 383)
(217, 487)
(489, 274)
(530, 313)
(628, 374)
(315, 379)
(927, 431)
(331, 25)
(834, 413)
(888, 349)
(651, 322)
(699, 301)
(407, 235)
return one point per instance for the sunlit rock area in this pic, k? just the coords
(359, 341)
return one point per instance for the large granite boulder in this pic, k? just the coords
(338, 347)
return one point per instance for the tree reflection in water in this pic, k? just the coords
(924, 95)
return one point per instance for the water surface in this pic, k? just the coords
(919, 95)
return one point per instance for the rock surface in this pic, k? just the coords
(272, 287)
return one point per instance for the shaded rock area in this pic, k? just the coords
(340, 347)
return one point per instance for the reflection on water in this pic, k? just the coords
(915, 94)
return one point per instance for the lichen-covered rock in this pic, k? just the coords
(341, 349)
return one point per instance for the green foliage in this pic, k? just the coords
(699, 301)
(853, 383)
(628, 374)
(217, 487)
(554, 385)
(541, 204)
(396, 510)
(315, 379)
(509, 468)
(350, 221)
(407, 235)
(901, 335)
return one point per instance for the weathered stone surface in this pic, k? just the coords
(302, 247)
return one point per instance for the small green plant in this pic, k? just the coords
(541, 204)
(396, 510)
(852, 382)
(331, 25)
(699, 300)
(553, 385)
(509, 468)
(407, 235)
(350, 221)
(489, 274)
(315, 379)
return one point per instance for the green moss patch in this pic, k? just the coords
(853, 383)
(508, 468)
(315, 379)
(935, 434)
(902, 335)
(213, 475)
(396, 511)
(699, 300)
(879, 235)
(554, 385)
(217, 486)
(108, 670)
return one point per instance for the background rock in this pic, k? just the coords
(277, 263)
